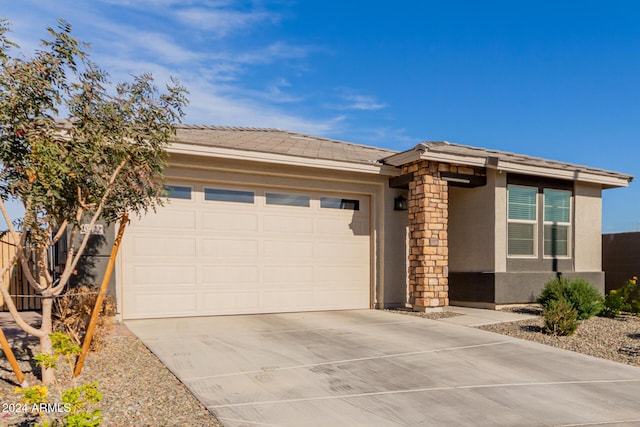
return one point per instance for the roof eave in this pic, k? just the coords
(606, 179)
(282, 159)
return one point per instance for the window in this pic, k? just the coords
(336, 203)
(177, 192)
(235, 196)
(522, 220)
(288, 200)
(557, 222)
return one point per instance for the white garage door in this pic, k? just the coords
(226, 250)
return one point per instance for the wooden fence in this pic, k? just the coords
(26, 298)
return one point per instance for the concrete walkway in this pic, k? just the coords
(478, 317)
(376, 368)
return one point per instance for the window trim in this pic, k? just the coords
(568, 225)
(533, 222)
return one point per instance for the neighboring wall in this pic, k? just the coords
(471, 229)
(588, 227)
(620, 258)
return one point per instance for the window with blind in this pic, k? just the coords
(522, 220)
(557, 222)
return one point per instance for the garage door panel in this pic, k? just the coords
(288, 274)
(288, 300)
(158, 275)
(207, 257)
(163, 247)
(342, 250)
(287, 249)
(226, 274)
(288, 224)
(229, 302)
(335, 226)
(229, 248)
(179, 219)
(146, 305)
(229, 221)
(342, 274)
(339, 298)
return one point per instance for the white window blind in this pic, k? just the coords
(522, 215)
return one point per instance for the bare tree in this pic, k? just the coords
(103, 158)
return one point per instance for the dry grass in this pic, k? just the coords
(72, 312)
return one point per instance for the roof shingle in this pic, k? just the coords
(276, 141)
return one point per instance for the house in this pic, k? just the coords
(266, 221)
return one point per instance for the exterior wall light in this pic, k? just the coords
(400, 204)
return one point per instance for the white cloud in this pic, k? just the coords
(360, 102)
(223, 22)
(215, 71)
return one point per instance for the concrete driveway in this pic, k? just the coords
(375, 368)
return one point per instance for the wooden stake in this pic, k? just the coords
(100, 299)
(12, 359)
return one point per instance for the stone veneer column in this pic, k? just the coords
(428, 241)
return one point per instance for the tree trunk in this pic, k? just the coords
(48, 374)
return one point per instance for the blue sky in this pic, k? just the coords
(556, 79)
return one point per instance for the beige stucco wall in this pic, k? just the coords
(588, 227)
(471, 228)
(394, 246)
(498, 181)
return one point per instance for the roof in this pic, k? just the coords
(510, 162)
(278, 145)
(276, 141)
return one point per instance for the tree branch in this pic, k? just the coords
(21, 245)
(61, 229)
(76, 257)
(7, 219)
(16, 314)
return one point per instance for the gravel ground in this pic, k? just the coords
(616, 339)
(138, 390)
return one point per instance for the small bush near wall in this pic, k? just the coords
(627, 299)
(581, 295)
(560, 318)
(72, 311)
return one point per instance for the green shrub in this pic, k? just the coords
(580, 294)
(560, 318)
(585, 298)
(555, 289)
(627, 299)
(613, 304)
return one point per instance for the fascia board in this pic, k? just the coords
(506, 166)
(454, 158)
(226, 153)
(572, 175)
(402, 158)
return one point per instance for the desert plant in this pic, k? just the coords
(580, 294)
(72, 311)
(585, 298)
(74, 148)
(613, 304)
(560, 318)
(627, 299)
(553, 290)
(78, 404)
